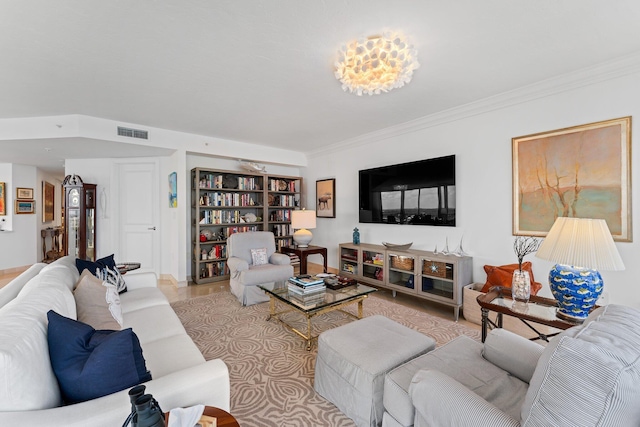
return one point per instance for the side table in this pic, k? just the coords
(223, 418)
(538, 310)
(303, 253)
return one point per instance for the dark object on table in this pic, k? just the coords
(123, 267)
(339, 282)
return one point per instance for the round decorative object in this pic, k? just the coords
(283, 185)
(576, 290)
(272, 200)
(74, 198)
(208, 234)
(250, 217)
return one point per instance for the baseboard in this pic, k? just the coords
(170, 278)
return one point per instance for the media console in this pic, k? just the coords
(425, 274)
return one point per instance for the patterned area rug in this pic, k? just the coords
(271, 371)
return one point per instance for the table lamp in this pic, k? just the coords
(302, 221)
(580, 247)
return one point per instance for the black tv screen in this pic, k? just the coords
(421, 193)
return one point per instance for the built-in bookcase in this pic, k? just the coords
(227, 202)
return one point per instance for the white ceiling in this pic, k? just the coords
(261, 71)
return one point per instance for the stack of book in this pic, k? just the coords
(306, 290)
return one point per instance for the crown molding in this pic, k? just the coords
(602, 72)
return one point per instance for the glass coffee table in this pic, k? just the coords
(330, 300)
(537, 310)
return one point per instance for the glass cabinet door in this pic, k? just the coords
(373, 265)
(401, 271)
(349, 261)
(73, 239)
(437, 278)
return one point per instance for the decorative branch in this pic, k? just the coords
(524, 246)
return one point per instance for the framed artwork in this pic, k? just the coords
(48, 201)
(325, 198)
(24, 193)
(25, 206)
(173, 190)
(3, 199)
(581, 172)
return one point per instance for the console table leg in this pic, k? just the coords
(485, 323)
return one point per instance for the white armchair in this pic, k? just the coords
(245, 275)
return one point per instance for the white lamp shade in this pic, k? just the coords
(581, 242)
(303, 219)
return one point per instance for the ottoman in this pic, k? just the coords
(353, 359)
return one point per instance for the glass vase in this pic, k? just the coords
(520, 286)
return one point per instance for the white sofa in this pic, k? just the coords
(29, 392)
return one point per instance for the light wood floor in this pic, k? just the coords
(174, 293)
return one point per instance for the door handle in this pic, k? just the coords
(151, 228)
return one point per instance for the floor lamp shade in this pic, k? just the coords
(302, 221)
(579, 247)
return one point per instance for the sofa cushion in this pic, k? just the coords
(171, 354)
(28, 381)
(154, 323)
(142, 298)
(97, 303)
(501, 276)
(93, 266)
(595, 368)
(88, 363)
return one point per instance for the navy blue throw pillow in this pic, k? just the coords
(88, 363)
(108, 261)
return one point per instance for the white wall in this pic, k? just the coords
(482, 145)
(19, 245)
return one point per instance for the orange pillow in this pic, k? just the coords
(501, 276)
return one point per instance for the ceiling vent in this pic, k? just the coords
(133, 133)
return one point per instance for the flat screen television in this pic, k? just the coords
(420, 193)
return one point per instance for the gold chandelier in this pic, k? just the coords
(376, 64)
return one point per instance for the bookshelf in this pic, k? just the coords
(227, 202)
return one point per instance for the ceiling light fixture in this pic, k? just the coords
(376, 64)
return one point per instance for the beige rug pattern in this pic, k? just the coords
(270, 369)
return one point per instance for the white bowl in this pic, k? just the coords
(396, 247)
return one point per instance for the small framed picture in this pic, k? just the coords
(24, 193)
(325, 198)
(25, 206)
(3, 199)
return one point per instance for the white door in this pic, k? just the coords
(138, 219)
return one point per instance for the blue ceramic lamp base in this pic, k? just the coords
(576, 289)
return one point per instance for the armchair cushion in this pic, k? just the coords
(442, 401)
(595, 369)
(460, 359)
(259, 256)
(511, 352)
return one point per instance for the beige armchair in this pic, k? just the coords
(247, 275)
